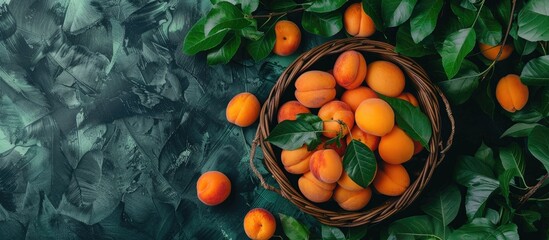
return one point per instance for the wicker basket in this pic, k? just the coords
(428, 97)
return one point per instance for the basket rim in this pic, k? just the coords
(428, 96)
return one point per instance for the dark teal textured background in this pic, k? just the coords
(105, 125)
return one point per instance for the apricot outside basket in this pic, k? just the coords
(428, 96)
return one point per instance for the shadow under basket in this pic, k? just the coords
(428, 95)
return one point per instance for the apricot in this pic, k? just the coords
(417, 147)
(406, 96)
(332, 114)
(350, 69)
(491, 52)
(296, 161)
(326, 165)
(315, 88)
(352, 200)
(375, 116)
(391, 180)
(290, 110)
(347, 183)
(396, 147)
(353, 97)
(511, 93)
(259, 224)
(213, 187)
(243, 109)
(369, 140)
(315, 190)
(357, 23)
(288, 38)
(386, 78)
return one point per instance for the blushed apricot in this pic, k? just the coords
(369, 140)
(357, 23)
(511, 93)
(491, 52)
(350, 69)
(315, 190)
(375, 116)
(290, 110)
(417, 147)
(333, 112)
(386, 78)
(296, 161)
(346, 182)
(213, 187)
(352, 200)
(288, 38)
(243, 109)
(326, 165)
(259, 224)
(353, 97)
(315, 88)
(391, 180)
(396, 147)
(406, 96)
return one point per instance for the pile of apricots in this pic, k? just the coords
(358, 114)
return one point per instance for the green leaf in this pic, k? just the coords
(492, 215)
(373, 9)
(225, 15)
(323, 24)
(504, 9)
(479, 190)
(513, 158)
(424, 19)
(196, 40)
(485, 98)
(455, 48)
(292, 134)
(261, 48)
(482, 228)
(461, 87)
(224, 53)
(486, 155)
(519, 130)
(405, 44)
(251, 32)
(360, 163)
(465, 16)
(468, 168)
(487, 28)
(536, 72)
(411, 120)
(524, 47)
(538, 145)
(248, 6)
(533, 20)
(356, 233)
(529, 218)
(317, 124)
(412, 227)
(396, 12)
(505, 180)
(331, 233)
(324, 6)
(293, 229)
(281, 5)
(444, 206)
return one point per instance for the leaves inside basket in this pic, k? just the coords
(360, 163)
(411, 120)
(293, 134)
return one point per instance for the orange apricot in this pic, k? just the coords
(491, 52)
(346, 182)
(296, 161)
(326, 165)
(386, 78)
(288, 38)
(243, 109)
(213, 187)
(396, 147)
(353, 97)
(350, 69)
(315, 190)
(259, 224)
(391, 180)
(290, 110)
(332, 114)
(406, 96)
(315, 88)
(371, 141)
(352, 200)
(357, 23)
(511, 93)
(375, 116)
